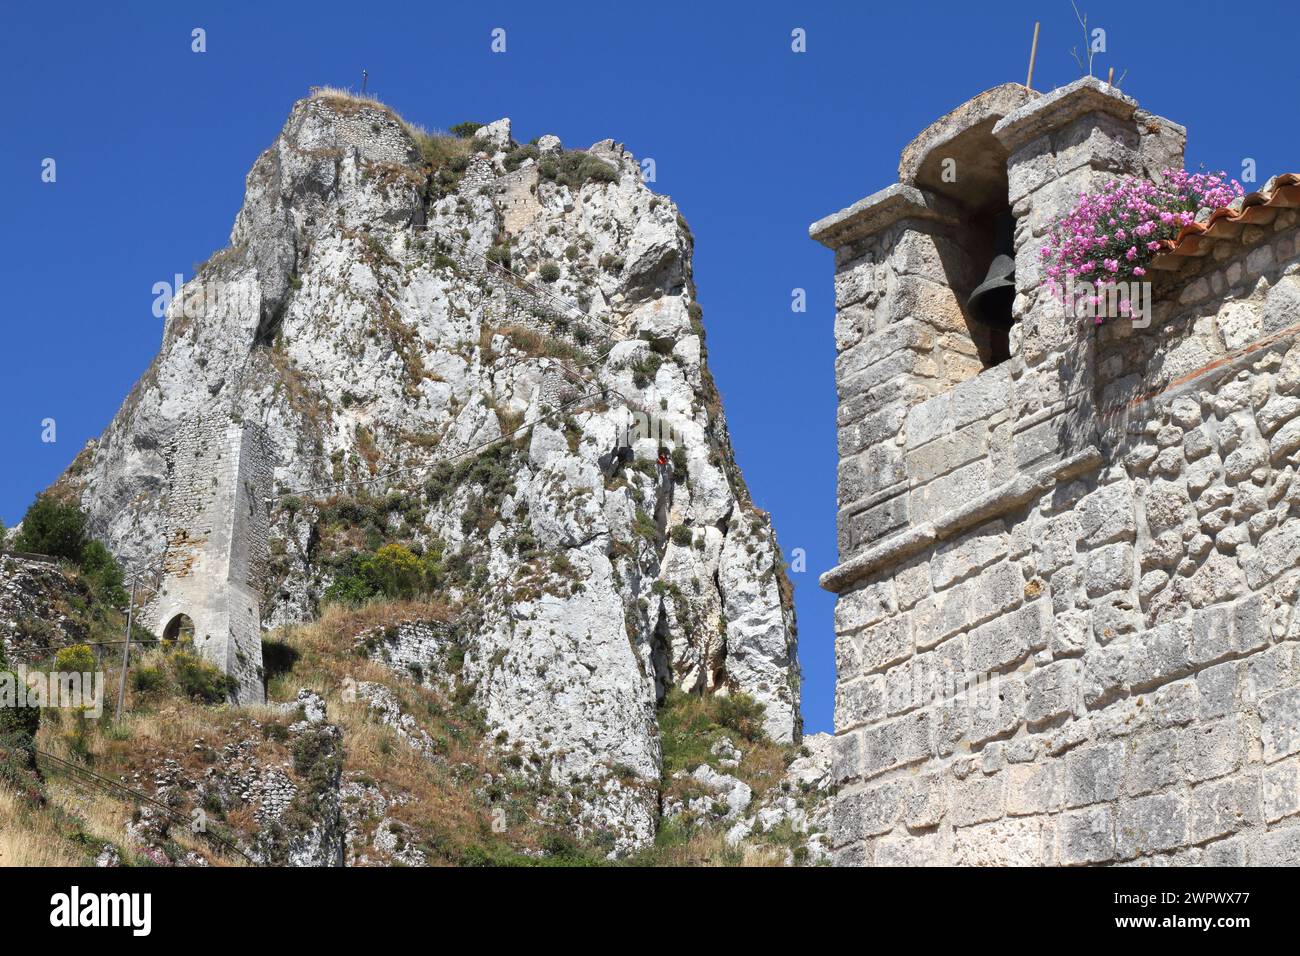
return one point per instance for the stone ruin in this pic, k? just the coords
(217, 527)
(1069, 553)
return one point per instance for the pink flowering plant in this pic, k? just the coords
(1112, 235)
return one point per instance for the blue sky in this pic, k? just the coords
(754, 142)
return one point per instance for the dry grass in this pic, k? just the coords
(441, 806)
(434, 143)
(30, 836)
(346, 101)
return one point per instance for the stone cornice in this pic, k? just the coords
(1012, 494)
(1058, 109)
(878, 212)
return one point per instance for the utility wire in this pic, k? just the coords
(112, 786)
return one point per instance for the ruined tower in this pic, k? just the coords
(1069, 553)
(217, 528)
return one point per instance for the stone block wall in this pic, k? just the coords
(1074, 641)
(217, 544)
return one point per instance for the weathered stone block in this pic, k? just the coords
(1224, 807)
(886, 643)
(1173, 705)
(1110, 569)
(920, 850)
(1280, 732)
(1104, 670)
(1160, 654)
(996, 710)
(943, 614)
(1275, 848)
(999, 589)
(1053, 691)
(1093, 774)
(1150, 824)
(1087, 836)
(1015, 842)
(1154, 761)
(863, 606)
(896, 742)
(860, 529)
(1059, 542)
(866, 813)
(1281, 790)
(942, 495)
(983, 397)
(870, 429)
(875, 470)
(1033, 788)
(846, 757)
(947, 453)
(1009, 638)
(1213, 750)
(1106, 516)
(926, 802)
(963, 556)
(1217, 690)
(976, 799)
(859, 701)
(928, 420)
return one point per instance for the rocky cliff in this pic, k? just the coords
(493, 354)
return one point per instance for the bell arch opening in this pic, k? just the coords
(179, 630)
(970, 170)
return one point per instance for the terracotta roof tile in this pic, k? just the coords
(1257, 208)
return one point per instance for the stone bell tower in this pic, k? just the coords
(217, 531)
(1069, 553)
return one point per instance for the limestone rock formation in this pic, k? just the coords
(551, 427)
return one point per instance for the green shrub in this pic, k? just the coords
(76, 659)
(515, 158)
(465, 130)
(393, 572)
(549, 271)
(680, 466)
(199, 680)
(148, 680)
(500, 255)
(574, 168)
(645, 526)
(682, 536)
(743, 714)
(18, 727)
(19, 724)
(350, 585)
(52, 528)
(104, 572)
(594, 170)
(59, 530)
(644, 369)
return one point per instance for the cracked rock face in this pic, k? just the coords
(362, 318)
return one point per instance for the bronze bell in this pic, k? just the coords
(990, 303)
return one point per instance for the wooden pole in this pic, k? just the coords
(1033, 53)
(126, 649)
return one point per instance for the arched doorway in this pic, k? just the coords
(179, 629)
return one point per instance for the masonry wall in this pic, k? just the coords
(1075, 641)
(217, 529)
